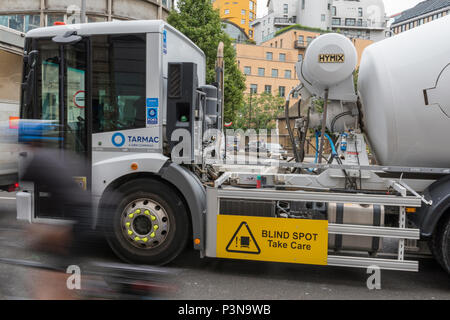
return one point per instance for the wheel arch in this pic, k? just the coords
(427, 217)
(179, 179)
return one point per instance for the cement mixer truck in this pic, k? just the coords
(158, 176)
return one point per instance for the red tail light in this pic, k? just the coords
(59, 23)
(14, 187)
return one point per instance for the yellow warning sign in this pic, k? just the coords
(243, 241)
(272, 239)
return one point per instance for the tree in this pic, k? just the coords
(259, 112)
(198, 20)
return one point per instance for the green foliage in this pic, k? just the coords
(259, 111)
(198, 20)
(300, 27)
(319, 105)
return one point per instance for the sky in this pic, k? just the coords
(392, 6)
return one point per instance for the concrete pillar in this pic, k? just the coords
(42, 8)
(159, 9)
(109, 10)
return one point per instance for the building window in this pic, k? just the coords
(242, 21)
(301, 39)
(360, 12)
(309, 40)
(285, 8)
(250, 33)
(227, 11)
(261, 72)
(269, 55)
(350, 22)
(282, 57)
(281, 91)
(300, 57)
(336, 21)
(333, 11)
(359, 22)
(247, 71)
(22, 23)
(254, 88)
(252, 6)
(411, 25)
(274, 73)
(303, 4)
(287, 74)
(251, 15)
(268, 89)
(322, 18)
(52, 18)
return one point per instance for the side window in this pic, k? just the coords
(119, 82)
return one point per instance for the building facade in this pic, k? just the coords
(235, 32)
(422, 13)
(364, 19)
(280, 15)
(240, 13)
(267, 69)
(25, 15)
(11, 48)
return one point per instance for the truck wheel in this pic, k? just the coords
(148, 223)
(441, 243)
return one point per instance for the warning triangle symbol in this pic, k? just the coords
(243, 241)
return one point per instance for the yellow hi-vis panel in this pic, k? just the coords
(272, 239)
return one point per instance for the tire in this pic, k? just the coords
(441, 243)
(141, 205)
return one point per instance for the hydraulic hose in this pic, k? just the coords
(304, 134)
(333, 123)
(333, 148)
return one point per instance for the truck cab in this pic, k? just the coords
(113, 94)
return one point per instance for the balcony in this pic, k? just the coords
(301, 44)
(284, 21)
(366, 24)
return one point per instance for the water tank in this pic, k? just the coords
(328, 65)
(329, 60)
(404, 87)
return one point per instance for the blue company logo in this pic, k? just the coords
(152, 112)
(118, 140)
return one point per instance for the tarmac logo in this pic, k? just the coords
(118, 140)
(332, 58)
(243, 241)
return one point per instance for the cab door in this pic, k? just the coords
(62, 107)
